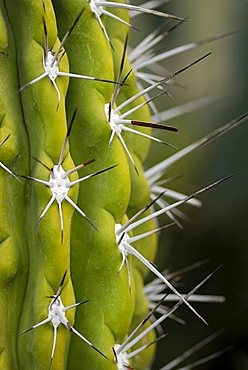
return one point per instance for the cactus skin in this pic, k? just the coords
(14, 154)
(35, 258)
(46, 128)
(106, 318)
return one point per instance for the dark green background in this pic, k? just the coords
(218, 231)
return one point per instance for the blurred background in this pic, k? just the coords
(217, 231)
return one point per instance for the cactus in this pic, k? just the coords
(78, 212)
